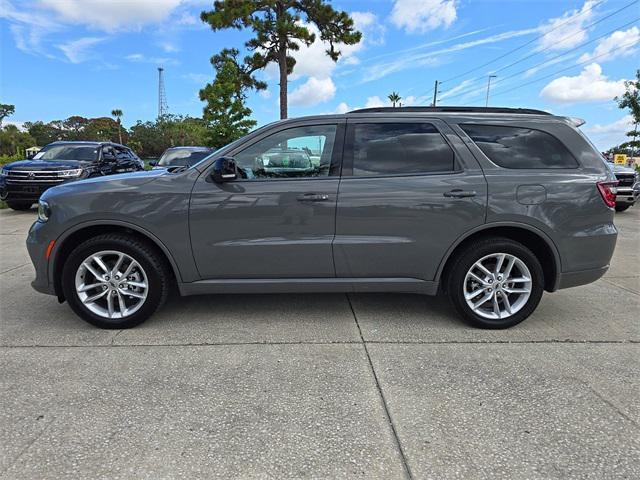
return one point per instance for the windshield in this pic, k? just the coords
(68, 152)
(182, 158)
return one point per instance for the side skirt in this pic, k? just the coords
(309, 285)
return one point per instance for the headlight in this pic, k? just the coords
(44, 211)
(4, 172)
(70, 173)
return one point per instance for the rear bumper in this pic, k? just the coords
(583, 277)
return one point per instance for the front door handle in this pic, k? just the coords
(457, 193)
(313, 197)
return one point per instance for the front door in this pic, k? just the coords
(410, 189)
(278, 219)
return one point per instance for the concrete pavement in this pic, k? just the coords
(321, 386)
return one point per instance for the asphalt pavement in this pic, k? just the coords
(321, 386)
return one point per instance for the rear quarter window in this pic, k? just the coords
(520, 148)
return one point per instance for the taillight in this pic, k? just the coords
(608, 192)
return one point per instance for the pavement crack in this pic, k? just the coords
(13, 268)
(403, 456)
(28, 446)
(621, 287)
(113, 339)
(612, 405)
(111, 344)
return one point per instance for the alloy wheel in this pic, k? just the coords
(111, 284)
(497, 286)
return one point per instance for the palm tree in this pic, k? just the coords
(394, 98)
(118, 114)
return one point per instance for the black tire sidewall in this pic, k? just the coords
(481, 249)
(157, 284)
(19, 206)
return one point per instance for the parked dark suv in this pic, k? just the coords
(490, 206)
(22, 183)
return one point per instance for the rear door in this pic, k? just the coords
(409, 190)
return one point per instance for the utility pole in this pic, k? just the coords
(488, 87)
(435, 93)
(163, 109)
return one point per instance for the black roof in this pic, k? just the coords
(528, 111)
(85, 142)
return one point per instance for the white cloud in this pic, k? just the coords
(169, 47)
(199, 78)
(18, 124)
(618, 44)
(420, 16)
(568, 30)
(188, 19)
(313, 92)
(622, 125)
(376, 101)
(589, 86)
(343, 108)
(403, 62)
(367, 22)
(313, 61)
(140, 58)
(79, 50)
(111, 15)
(610, 134)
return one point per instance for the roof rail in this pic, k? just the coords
(528, 111)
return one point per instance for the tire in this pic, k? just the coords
(20, 206)
(622, 208)
(150, 270)
(459, 281)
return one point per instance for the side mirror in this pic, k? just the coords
(224, 170)
(153, 163)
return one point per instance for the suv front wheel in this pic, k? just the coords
(115, 281)
(495, 283)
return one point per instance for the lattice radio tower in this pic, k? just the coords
(163, 109)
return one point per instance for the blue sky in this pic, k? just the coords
(85, 57)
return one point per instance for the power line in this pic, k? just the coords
(559, 41)
(562, 70)
(573, 35)
(549, 60)
(569, 20)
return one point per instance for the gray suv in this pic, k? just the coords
(489, 206)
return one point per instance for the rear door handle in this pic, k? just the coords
(457, 193)
(313, 197)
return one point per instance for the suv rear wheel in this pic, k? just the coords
(495, 283)
(115, 281)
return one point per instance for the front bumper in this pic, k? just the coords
(627, 195)
(37, 242)
(23, 191)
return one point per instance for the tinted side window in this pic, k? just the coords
(399, 148)
(512, 147)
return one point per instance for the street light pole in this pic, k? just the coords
(435, 93)
(488, 87)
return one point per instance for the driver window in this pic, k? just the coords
(108, 154)
(293, 153)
